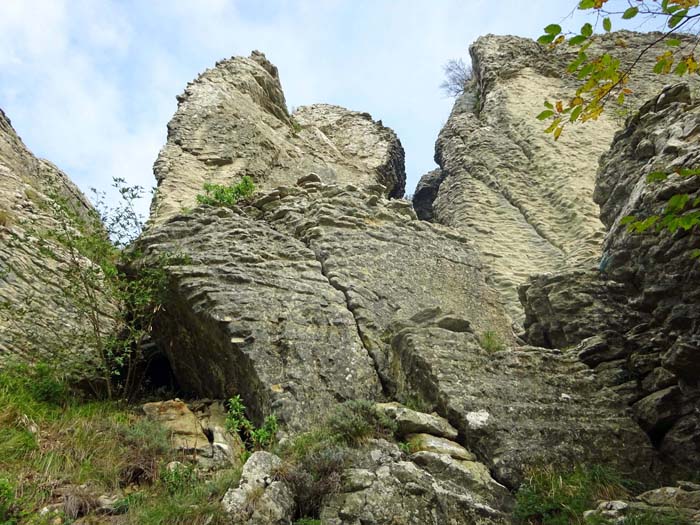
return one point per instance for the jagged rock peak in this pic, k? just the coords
(524, 199)
(233, 121)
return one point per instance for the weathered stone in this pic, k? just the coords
(518, 408)
(524, 199)
(384, 489)
(252, 313)
(233, 121)
(286, 299)
(185, 430)
(648, 297)
(260, 498)
(437, 445)
(43, 312)
(411, 422)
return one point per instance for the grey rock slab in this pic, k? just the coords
(518, 408)
(412, 422)
(250, 312)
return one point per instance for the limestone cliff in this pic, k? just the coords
(233, 121)
(636, 319)
(525, 200)
(324, 289)
(42, 306)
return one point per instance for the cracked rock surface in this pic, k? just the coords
(524, 199)
(636, 319)
(285, 300)
(233, 121)
(40, 316)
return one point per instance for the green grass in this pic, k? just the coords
(548, 497)
(50, 438)
(491, 342)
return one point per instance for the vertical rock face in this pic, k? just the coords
(286, 300)
(233, 121)
(637, 319)
(525, 200)
(42, 314)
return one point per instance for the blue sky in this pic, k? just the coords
(91, 84)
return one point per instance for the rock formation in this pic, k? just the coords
(524, 200)
(42, 305)
(636, 319)
(321, 288)
(233, 121)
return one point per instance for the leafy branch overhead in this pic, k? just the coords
(602, 77)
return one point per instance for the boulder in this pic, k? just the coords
(412, 422)
(382, 488)
(260, 498)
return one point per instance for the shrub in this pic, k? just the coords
(551, 498)
(5, 219)
(219, 195)
(254, 438)
(356, 421)
(491, 342)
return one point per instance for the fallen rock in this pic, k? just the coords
(260, 499)
(412, 422)
(381, 488)
(438, 445)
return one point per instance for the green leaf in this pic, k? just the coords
(677, 18)
(681, 69)
(587, 29)
(657, 176)
(548, 104)
(586, 4)
(575, 113)
(607, 24)
(576, 40)
(659, 67)
(630, 13)
(546, 39)
(553, 29)
(545, 114)
(676, 203)
(628, 220)
(673, 42)
(695, 254)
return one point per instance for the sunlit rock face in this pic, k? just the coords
(43, 304)
(524, 199)
(233, 121)
(636, 318)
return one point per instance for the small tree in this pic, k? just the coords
(458, 75)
